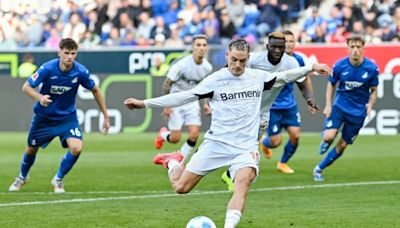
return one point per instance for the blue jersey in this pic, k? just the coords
(353, 91)
(285, 99)
(62, 88)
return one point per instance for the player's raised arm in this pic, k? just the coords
(294, 74)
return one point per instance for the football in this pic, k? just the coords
(201, 222)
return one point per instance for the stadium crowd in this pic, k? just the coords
(172, 23)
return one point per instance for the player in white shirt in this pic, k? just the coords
(184, 75)
(235, 97)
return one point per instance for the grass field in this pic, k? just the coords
(115, 184)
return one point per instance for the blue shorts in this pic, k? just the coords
(279, 118)
(351, 124)
(42, 131)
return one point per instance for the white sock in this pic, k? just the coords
(172, 164)
(185, 150)
(164, 135)
(232, 218)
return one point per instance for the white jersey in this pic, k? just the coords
(186, 74)
(260, 61)
(234, 100)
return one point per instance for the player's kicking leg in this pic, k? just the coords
(26, 164)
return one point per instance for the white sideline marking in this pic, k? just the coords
(176, 195)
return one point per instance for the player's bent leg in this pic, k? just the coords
(75, 146)
(186, 181)
(163, 135)
(328, 136)
(265, 147)
(27, 161)
(330, 158)
(243, 179)
(289, 150)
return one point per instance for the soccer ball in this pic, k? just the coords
(201, 222)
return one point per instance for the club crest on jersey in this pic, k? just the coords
(35, 76)
(75, 80)
(365, 75)
(349, 85)
(59, 89)
(240, 95)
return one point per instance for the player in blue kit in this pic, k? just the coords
(55, 111)
(284, 113)
(357, 79)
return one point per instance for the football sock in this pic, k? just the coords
(288, 152)
(266, 142)
(324, 146)
(329, 159)
(26, 164)
(186, 149)
(232, 218)
(165, 135)
(66, 164)
(172, 165)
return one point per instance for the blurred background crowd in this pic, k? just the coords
(172, 23)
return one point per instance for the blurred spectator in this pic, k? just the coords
(34, 30)
(236, 12)
(319, 35)
(340, 36)
(334, 20)
(54, 39)
(171, 16)
(128, 39)
(213, 37)
(226, 28)
(189, 8)
(114, 38)
(54, 13)
(94, 25)
(90, 40)
(145, 25)
(195, 26)
(310, 25)
(174, 40)
(74, 28)
(348, 18)
(146, 7)
(358, 28)
(27, 67)
(160, 30)
(269, 19)
(158, 67)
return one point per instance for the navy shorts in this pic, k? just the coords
(279, 118)
(42, 131)
(351, 124)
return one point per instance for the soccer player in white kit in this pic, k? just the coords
(183, 75)
(235, 97)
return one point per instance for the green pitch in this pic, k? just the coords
(115, 184)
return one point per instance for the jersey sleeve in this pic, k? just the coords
(174, 72)
(374, 79)
(38, 77)
(205, 88)
(87, 81)
(335, 75)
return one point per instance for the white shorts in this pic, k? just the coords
(214, 154)
(187, 114)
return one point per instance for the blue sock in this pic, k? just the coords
(66, 164)
(329, 159)
(290, 149)
(26, 164)
(324, 146)
(266, 142)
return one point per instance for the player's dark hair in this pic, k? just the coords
(239, 44)
(288, 32)
(68, 43)
(355, 37)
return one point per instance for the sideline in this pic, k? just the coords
(160, 194)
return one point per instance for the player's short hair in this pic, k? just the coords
(355, 37)
(68, 43)
(239, 44)
(276, 35)
(288, 32)
(199, 36)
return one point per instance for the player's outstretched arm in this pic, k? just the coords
(102, 105)
(44, 100)
(169, 100)
(294, 74)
